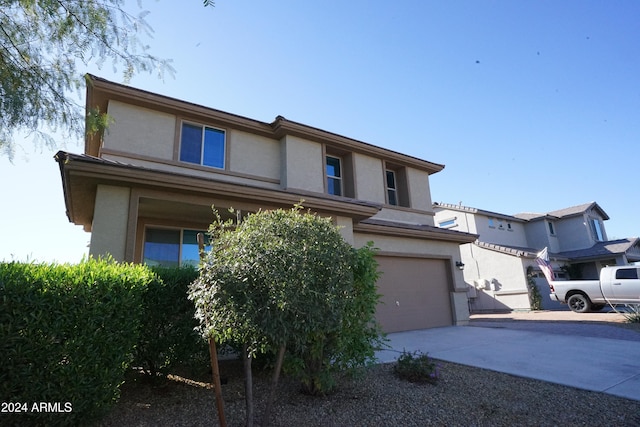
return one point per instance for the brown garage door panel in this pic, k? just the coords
(415, 294)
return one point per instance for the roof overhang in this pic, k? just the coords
(101, 91)
(81, 175)
(398, 229)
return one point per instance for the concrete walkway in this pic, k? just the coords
(593, 363)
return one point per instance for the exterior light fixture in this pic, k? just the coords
(460, 265)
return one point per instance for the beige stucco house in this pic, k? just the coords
(145, 187)
(498, 264)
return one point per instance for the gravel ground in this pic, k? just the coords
(464, 396)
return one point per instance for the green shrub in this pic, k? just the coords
(352, 345)
(67, 333)
(632, 313)
(417, 367)
(168, 337)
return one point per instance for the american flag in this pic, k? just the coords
(543, 261)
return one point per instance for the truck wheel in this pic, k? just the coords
(579, 303)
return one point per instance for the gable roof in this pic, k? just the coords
(564, 213)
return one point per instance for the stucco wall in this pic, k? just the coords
(369, 179)
(109, 227)
(140, 131)
(419, 191)
(406, 216)
(499, 279)
(253, 154)
(302, 164)
(574, 233)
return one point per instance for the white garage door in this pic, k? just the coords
(415, 294)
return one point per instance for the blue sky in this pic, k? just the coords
(532, 106)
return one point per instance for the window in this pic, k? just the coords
(171, 247)
(627, 273)
(552, 230)
(334, 176)
(202, 145)
(392, 191)
(492, 223)
(596, 226)
(449, 223)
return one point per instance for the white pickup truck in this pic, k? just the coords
(617, 285)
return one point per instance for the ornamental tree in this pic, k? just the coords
(282, 280)
(42, 42)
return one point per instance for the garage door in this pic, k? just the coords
(415, 294)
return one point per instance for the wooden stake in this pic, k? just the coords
(213, 355)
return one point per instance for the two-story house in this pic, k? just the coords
(145, 187)
(499, 264)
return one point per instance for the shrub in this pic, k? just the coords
(168, 337)
(417, 367)
(353, 344)
(66, 335)
(632, 315)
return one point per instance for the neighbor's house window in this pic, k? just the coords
(552, 229)
(598, 232)
(392, 190)
(492, 223)
(202, 145)
(171, 247)
(449, 223)
(334, 175)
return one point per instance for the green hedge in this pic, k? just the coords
(67, 333)
(168, 337)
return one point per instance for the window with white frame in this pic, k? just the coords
(552, 229)
(333, 167)
(392, 190)
(202, 145)
(597, 228)
(447, 223)
(171, 247)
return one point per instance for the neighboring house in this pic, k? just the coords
(145, 188)
(497, 266)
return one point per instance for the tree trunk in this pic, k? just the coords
(248, 384)
(274, 386)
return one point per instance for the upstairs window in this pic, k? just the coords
(392, 190)
(552, 229)
(596, 227)
(202, 145)
(334, 176)
(448, 223)
(171, 247)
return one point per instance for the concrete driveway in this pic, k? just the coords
(561, 347)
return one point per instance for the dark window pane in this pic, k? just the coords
(213, 148)
(191, 143)
(162, 247)
(391, 179)
(627, 273)
(333, 167)
(333, 186)
(392, 197)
